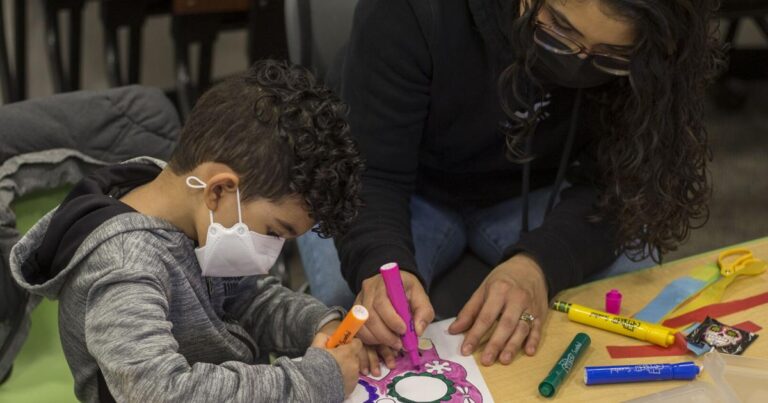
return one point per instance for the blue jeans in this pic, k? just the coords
(440, 237)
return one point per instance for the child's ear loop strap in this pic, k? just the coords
(196, 183)
(239, 211)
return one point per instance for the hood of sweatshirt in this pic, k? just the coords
(43, 259)
(493, 19)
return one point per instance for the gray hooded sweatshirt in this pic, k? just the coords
(139, 322)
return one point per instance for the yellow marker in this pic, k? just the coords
(349, 327)
(656, 334)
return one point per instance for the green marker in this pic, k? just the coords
(563, 367)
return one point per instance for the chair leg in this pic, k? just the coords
(53, 47)
(5, 69)
(75, 46)
(64, 80)
(134, 53)
(117, 14)
(184, 89)
(187, 30)
(20, 38)
(112, 57)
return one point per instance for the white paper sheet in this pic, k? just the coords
(445, 375)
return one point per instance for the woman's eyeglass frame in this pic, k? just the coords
(577, 48)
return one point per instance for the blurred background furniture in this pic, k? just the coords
(192, 23)
(745, 64)
(130, 15)
(64, 78)
(308, 32)
(200, 21)
(13, 72)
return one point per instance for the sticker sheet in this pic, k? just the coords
(445, 375)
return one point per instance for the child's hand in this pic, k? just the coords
(329, 328)
(348, 358)
(370, 356)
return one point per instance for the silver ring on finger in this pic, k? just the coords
(527, 318)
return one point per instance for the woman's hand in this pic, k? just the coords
(515, 287)
(384, 325)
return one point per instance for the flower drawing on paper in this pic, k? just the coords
(437, 367)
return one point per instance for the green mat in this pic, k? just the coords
(40, 372)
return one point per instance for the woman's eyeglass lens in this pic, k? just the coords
(555, 42)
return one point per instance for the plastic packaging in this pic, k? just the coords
(733, 379)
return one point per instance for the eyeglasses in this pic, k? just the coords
(549, 38)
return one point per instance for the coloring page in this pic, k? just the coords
(445, 375)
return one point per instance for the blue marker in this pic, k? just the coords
(640, 373)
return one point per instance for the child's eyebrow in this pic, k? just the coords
(286, 227)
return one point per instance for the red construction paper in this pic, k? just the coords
(717, 310)
(680, 347)
(749, 326)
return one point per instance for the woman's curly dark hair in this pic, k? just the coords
(283, 133)
(652, 150)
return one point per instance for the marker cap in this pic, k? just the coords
(349, 327)
(686, 370)
(564, 365)
(546, 389)
(661, 336)
(613, 302)
(359, 312)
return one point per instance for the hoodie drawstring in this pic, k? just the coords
(526, 185)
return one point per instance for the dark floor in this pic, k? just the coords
(739, 206)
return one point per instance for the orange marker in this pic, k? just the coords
(348, 328)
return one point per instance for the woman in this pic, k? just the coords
(553, 138)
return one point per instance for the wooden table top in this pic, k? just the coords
(519, 381)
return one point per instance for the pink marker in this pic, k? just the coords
(390, 272)
(613, 302)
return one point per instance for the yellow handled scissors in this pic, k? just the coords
(740, 257)
(733, 263)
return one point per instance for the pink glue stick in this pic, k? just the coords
(390, 272)
(613, 302)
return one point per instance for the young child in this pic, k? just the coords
(159, 269)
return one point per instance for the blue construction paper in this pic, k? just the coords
(669, 298)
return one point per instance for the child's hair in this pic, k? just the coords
(283, 133)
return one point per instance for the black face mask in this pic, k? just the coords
(568, 70)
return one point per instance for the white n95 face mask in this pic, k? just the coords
(235, 251)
